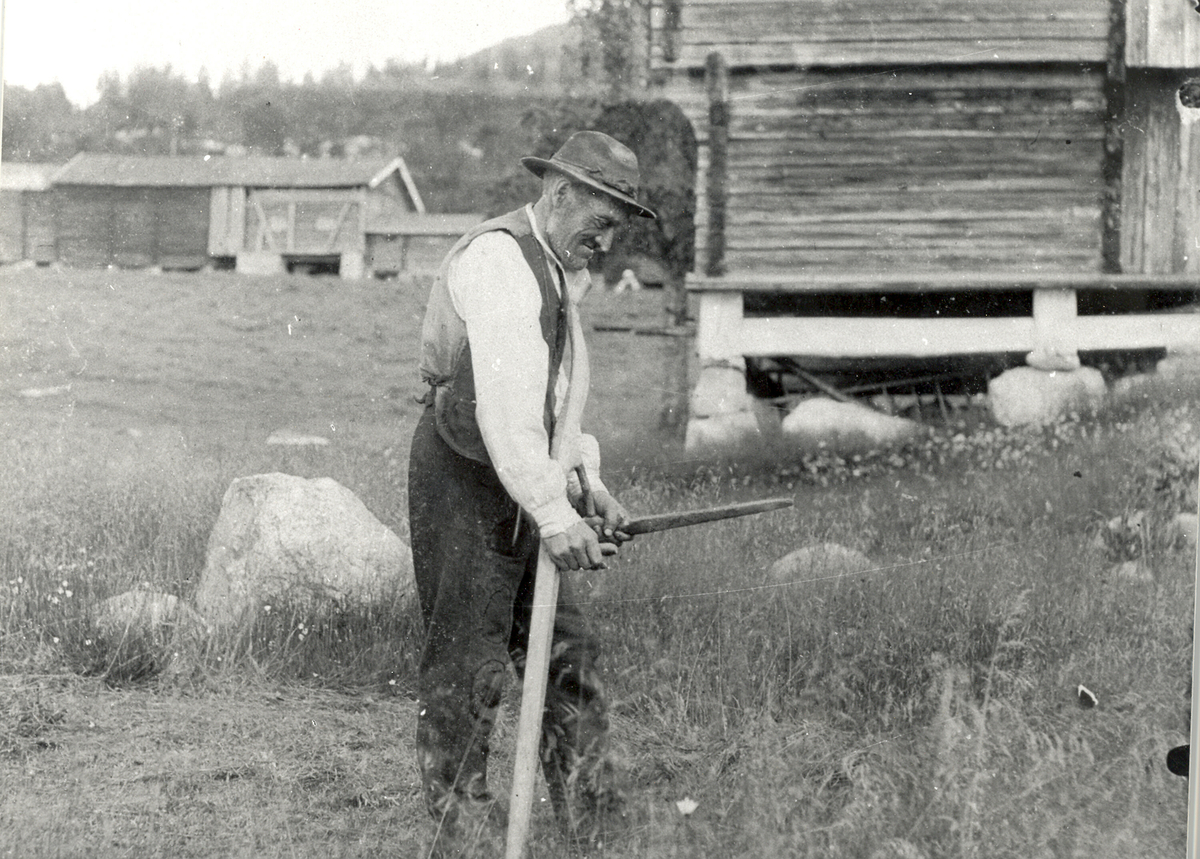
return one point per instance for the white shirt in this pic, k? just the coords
(501, 310)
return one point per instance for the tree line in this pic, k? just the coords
(458, 126)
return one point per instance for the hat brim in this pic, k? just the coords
(538, 166)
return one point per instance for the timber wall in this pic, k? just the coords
(132, 227)
(939, 169)
(760, 33)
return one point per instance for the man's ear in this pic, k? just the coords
(560, 189)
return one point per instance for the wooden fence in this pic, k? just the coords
(726, 334)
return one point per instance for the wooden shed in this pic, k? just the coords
(923, 178)
(399, 243)
(26, 215)
(260, 214)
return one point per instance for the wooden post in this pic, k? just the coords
(1188, 223)
(291, 225)
(1114, 143)
(720, 386)
(1193, 844)
(718, 328)
(716, 81)
(675, 355)
(1054, 315)
(1160, 218)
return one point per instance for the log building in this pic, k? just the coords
(253, 214)
(923, 178)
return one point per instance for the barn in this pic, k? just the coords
(258, 215)
(26, 216)
(930, 179)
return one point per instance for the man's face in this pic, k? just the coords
(582, 222)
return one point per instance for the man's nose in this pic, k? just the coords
(606, 239)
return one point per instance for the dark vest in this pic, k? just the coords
(454, 395)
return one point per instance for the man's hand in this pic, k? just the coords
(577, 548)
(612, 516)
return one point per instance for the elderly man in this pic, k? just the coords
(483, 491)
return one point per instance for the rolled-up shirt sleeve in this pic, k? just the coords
(498, 298)
(589, 455)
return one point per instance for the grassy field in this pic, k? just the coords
(926, 707)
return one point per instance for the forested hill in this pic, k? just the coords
(460, 126)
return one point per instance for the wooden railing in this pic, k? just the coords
(725, 334)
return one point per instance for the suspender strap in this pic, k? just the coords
(553, 316)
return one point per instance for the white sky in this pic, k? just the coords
(74, 41)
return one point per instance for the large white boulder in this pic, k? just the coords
(298, 545)
(842, 425)
(1025, 395)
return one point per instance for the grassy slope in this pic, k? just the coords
(223, 360)
(922, 709)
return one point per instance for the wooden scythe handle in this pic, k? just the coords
(545, 602)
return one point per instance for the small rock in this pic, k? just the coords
(1178, 366)
(822, 561)
(845, 426)
(897, 848)
(141, 633)
(1187, 525)
(40, 393)
(1131, 385)
(1050, 361)
(295, 439)
(727, 431)
(1134, 571)
(1025, 395)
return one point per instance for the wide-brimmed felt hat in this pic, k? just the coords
(598, 161)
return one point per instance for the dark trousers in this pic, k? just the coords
(475, 585)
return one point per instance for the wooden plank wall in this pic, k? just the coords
(305, 221)
(226, 220)
(1162, 34)
(758, 33)
(12, 225)
(39, 227)
(181, 227)
(132, 227)
(83, 224)
(946, 169)
(1160, 181)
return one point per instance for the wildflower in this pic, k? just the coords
(687, 805)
